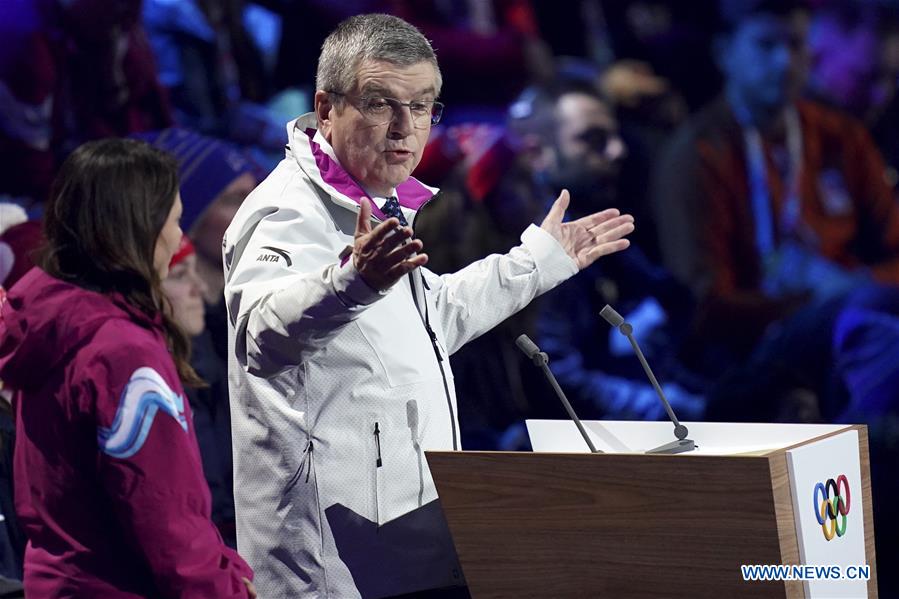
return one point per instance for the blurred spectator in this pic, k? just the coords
(844, 57)
(670, 36)
(581, 150)
(209, 229)
(11, 214)
(630, 83)
(12, 537)
(854, 57)
(576, 29)
(884, 123)
(69, 72)
(215, 179)
(775, 210)
(18, 250)
(647, 109)
(17, 240)
(213, 69)
(184, 289)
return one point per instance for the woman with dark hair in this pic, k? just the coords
(109, 482)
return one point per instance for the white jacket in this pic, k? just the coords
(337, 390)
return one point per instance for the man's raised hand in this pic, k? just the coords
(590, 237)
(385, 254)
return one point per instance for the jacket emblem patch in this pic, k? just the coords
(278, 254)
(144, 396)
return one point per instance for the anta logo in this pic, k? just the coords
(277, 255)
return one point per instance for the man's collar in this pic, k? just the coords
(326, 147)
(324, 144)
(316, 158)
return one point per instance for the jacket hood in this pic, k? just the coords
(45, 319)
(316, 158)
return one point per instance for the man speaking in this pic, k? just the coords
(340, 338)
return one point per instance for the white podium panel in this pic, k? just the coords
(825, 481)
(712, 438)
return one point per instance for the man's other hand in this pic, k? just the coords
(385, 254)
(590, 237)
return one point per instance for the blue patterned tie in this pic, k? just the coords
(392, 208)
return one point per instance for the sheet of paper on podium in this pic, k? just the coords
(712, 438)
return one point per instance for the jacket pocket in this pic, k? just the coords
(305, 470)
(375, 461)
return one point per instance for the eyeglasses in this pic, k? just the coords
(379, 110)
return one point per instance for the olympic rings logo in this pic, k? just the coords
(832, 507)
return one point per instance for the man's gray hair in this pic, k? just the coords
(370, 37)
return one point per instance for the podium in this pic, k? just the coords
(562, 522)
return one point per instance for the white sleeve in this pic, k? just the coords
(475, 299)
(287, 292)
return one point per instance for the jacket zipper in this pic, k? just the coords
(433, 337)
(375, 476)
(449, 401)
(378, 461)
(308, 451)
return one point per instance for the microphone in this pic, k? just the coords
(540, 359)
(680, 431)
(531, 350)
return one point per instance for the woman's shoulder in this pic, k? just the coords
(124, 334)
(127, 341)
(120, 347)
(120, 359)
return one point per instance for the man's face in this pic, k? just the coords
(589, 149)
(380, 152)
(763, 61)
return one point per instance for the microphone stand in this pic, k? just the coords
(542, 360)
(681, 444)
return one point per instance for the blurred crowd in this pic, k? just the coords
(756, 143)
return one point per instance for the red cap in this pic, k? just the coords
(185, 249)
